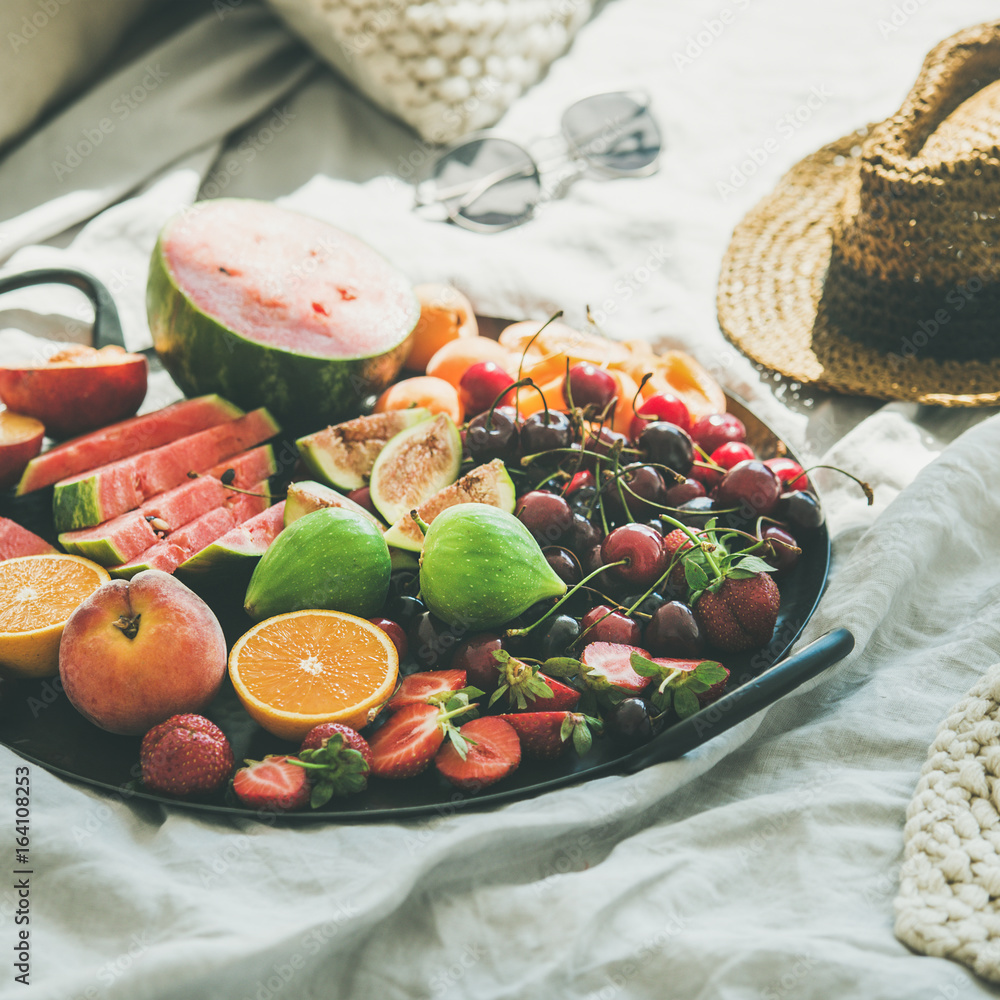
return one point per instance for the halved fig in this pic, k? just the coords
(305, 497)
(78, 389)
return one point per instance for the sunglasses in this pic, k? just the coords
(487, 184)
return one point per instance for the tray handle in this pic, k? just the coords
(746, 700)
(107, 326)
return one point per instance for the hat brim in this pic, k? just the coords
(770, 297)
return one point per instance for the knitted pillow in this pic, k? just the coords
(949, 895)
(445, 67)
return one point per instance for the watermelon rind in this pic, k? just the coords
(202, 355)
(414, 465)
(238, 548)
(343, 455)
(490, 484)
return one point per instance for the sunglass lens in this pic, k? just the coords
(614, 132)
(486, 184)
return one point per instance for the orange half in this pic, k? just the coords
(38, 594)
(296, 670)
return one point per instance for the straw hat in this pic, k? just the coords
(874, 267)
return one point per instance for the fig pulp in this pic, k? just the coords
(480, 567)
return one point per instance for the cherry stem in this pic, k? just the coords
(869, 494)
(527, 346)
(511, 632)
(496, 402)
(638, 393)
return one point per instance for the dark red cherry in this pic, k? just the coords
(545, 431)
(682, 492)
(715, 429)
(589, 385)
(751, 487)
(782, 550)
(674, 631)
(613, 627)
(667, 444)
(546, 515)
(642, 549)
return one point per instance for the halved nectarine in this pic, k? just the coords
(20, 441)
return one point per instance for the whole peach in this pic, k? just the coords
(138, 651)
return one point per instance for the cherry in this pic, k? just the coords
(732, 453)
(604, 442)
(480, 386)
(641, 488)
(788, 471)
(591, 559)
(644, 552)
(630, 723)
(363, 496)
(584, 534)
(394, 632)
(565, 565)
(589, 385)
(696, 513)
(667, 444)
(782, 550)
(558, 637)
(715, 429)
(649, 604)
(801, 509)
(682, 492)
(583, 479)
(433, 642)
(546, 515)
(475, 657)
(492, 435)
(674, 631)
(544, 431)
(403, 608)
(751, 487)
(661, 406)
(616, 627)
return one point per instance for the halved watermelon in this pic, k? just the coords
(343, 455)
(130, 534)
(488, 483)
(126, 438)
(110, 490)
(183, 543)
(270, 307)
(240, 546)
(17, 541)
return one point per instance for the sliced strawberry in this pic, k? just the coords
(492, 751)
(704, 697)
(609, 664)
(406, 744)
(272, 783)
(421, 688)
(563, 697)
(545, 735)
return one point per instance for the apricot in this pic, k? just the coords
(445, 315)
(453, 360)
(434, 394)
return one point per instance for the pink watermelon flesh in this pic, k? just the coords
(248, 540)
(17, 541)
(286, 280)
(183, 543)
(103, 493)
(124, 537)
(613, 660)
(109, 444)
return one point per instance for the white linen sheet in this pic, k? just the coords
(762, 865)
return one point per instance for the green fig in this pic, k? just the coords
(332, 559)
(480, 567)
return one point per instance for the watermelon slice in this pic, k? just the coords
(240, 546)
(343, 455)
(168, 553)
(487, 483)
(126, 438)
(128, 535)
(274, 308)
(109, 490)
(17, 541)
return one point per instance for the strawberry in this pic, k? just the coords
(337, 760)
(608, 664)
(407, 742)
(716, 689)
(741, 614)
(185, 756)
(427, 687)
(492, 751)
(522, 683)
(545, 735)
(685, 685)
(274, 783)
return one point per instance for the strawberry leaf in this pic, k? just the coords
(562, 666)
(566, 729)
(694, 683)
(321, 794)
(499, 693)
(459, 742)
(710, 671)
(753, 565)
(697, 578)
(645, 667)
(685, 702)
(739, 574)
(582, 740)
(662, 700)
(537, 688)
